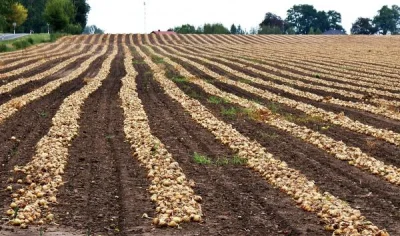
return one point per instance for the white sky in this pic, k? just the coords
(127, 16)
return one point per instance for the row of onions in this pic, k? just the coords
(327, 70)
(170, 190)
(35, 56)
(11, 107)
(334, 118)
(79, 54)
(35, 50)
(35, 193)
(340, 150)
(208, 58)
(334, 212)
(265, 61)
(69, 51)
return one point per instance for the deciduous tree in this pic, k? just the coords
(363, 26)
(388, 19)
(59, 13)
(18, 14)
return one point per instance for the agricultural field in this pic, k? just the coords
(201, 135)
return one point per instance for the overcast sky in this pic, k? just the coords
(127, 16)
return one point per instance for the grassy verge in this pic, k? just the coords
(27, 41)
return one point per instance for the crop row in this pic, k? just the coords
(334, 118)
(66, 53)
(328, 70)
(44, 172)
(334, 213)
(353, 155)
(9, 108)
(170, 189)
(361, 106)
(327, 85)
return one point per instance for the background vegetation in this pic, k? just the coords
(63, 16)
(305, 19)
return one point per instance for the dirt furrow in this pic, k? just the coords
(233, 197)
(29, 125)
(362, 116)
(377, 200)
(26, 88)
(106, 191)
(39, 69)
(375, 147)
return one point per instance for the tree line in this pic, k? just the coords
(305, 19)
(39, 16)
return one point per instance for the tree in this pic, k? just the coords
(240, 30)
(18, 14)
(388, 19)
(35, 20)
(59, 13)
(5, 10)
(92, 29)
(272, 20)
(272, 24)
(233, 29)
(82, 10)
(185, 29)
(301, 18)
(363, 26)
(217, 28)
(334, 20)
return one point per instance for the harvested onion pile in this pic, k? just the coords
(44, 172)
(170, 190)
(335, 213)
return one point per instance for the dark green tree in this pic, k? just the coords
(233, 29)
(216, 28)
(272, 24)
(59, 13)
(185, 29)
(363, 26)
(334, 20)
(388, 20)
(5, 10)
(301, 18)
(35, 21)
(82, 10)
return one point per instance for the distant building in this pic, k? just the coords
(163, 32)
(334, 32)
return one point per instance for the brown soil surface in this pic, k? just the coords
(376, 199)
(29, 125)
(380, 149)
(106, 192)
(236, 201)
(39, 69)
(31, 86)
(364, 117)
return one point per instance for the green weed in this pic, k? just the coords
(217, 100)
(201, 159)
